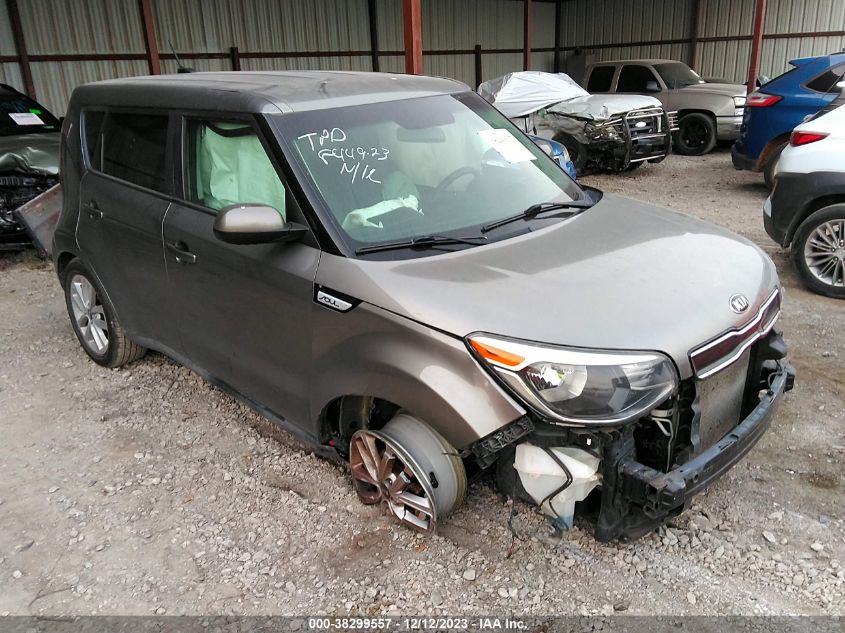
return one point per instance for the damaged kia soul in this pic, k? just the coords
(385, 266)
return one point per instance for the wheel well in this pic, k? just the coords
(770, 148)
(683, 113)
(347, 414)
(810, 209)
(62, 261)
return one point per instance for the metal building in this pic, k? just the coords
(47, 47)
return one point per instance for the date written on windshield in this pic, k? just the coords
(355, 161)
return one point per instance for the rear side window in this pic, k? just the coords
(826, 82)
(129, 146)
(601, 79)
(634, 79)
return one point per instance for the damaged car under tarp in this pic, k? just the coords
(29, 160)
(601, 132)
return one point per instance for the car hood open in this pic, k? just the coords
(621, 275)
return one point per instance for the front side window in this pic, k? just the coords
(226, 165)
(21, 115)
(418, 167)
(601, 79)
(634, 78)
(129, 146)
(677, 75)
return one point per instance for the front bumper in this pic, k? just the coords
(637, 498)
(727, 127)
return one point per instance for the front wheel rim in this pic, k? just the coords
(694, 135)
(824, 253)
(89, 315)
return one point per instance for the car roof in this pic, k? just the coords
(638, 61)
(268, 92)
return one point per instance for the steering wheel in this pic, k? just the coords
(452, 178)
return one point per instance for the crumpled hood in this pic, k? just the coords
(729, 90)
(622, 275)
(30, 153)
(602, 107)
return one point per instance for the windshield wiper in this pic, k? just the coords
(536, 209)
(424, 241)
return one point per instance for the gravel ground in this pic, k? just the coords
(144, 490)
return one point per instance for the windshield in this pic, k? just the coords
(678, 75)
(21, 115)
(443, 165)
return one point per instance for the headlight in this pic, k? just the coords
(603, 132)
(579, 386)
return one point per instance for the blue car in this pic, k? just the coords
(780, 105)
(558, 152)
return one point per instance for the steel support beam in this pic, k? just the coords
(558, 18)
(373, 19)
(526, 34)
(413, 37)
(756, 44)
(153, 60)
(693, 36)
(20, 47)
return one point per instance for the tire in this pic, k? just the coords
(771, 167)
(94, 321)
(577, 152)
(825, 277)
(696, 135)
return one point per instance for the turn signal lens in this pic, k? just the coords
(761, 100)
(805, 138)
(496, 355)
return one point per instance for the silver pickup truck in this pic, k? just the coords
(709, 112)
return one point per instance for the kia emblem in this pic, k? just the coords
(739, 303)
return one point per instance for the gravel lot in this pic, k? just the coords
(144, 490)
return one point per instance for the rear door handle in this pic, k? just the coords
(181, 253)
(93, 211)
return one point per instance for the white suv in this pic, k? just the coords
(807, 207)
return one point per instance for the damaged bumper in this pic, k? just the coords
(637, 498)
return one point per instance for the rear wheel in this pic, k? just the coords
(696, 134)
(94, 321)
(818, 251)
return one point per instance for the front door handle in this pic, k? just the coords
(181, 253)
(93, 211)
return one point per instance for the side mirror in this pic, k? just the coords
(255, 224)
(652, 86)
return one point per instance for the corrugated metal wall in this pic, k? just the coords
(606, 28)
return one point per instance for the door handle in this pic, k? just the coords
(181, 253)
(93, 211)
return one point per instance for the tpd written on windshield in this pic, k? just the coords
(355, 160)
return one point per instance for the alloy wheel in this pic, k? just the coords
(89, 315)
(695, 134)
(824, 253)
(382, 472)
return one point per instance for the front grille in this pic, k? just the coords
(674, 121)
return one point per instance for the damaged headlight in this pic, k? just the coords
(602, 132)
(580, 386)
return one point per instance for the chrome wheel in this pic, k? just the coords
(383, 473)
(824, 253)
(89, 315)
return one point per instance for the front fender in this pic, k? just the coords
(371, 351)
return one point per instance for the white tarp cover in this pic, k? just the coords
(521, 93)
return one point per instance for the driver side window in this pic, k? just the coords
(226, 165)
